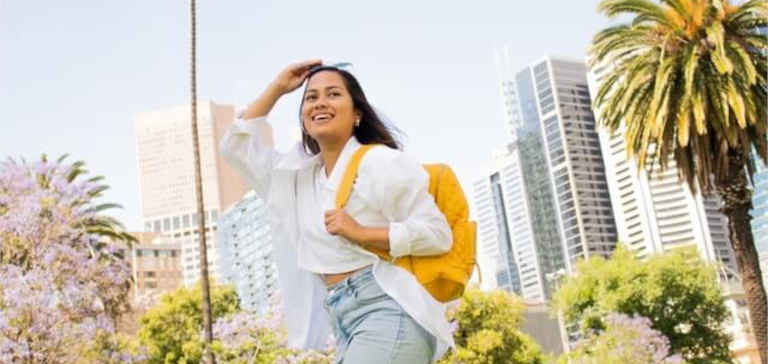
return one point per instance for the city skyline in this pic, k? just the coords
(545, 204)
(167, 185)
(412, 64)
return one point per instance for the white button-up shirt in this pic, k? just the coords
(390, 190)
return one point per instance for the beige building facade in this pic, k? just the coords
(167, 178)
(155, 265)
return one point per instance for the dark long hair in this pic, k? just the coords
(371, 130)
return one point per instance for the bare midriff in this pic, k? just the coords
(333, 278)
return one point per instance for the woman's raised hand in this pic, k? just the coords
(293, 76)
(286, 81)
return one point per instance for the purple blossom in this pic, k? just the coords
(58, 291)
(239, 333)
(454, 326)
(629, 340)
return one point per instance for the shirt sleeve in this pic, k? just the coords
(248, 145)
(399, 186)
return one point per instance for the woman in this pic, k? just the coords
(378, 312)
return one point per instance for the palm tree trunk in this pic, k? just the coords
(206, 299)
(737, 199)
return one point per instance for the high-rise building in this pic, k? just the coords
(491, 202)
(764, 269)
(759, 210)
(167, 178)
(245, 253)
(574, 159)
(655, 211)
(530, 232)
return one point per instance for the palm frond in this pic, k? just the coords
(688, 79)
(644, 11)
(716, 37)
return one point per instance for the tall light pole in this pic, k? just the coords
(206, 299)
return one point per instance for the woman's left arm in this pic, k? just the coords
(393, 182)
(400, 187)
(338, 222)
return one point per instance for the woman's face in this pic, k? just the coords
(328, 112)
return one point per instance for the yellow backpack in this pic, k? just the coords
(444, 276)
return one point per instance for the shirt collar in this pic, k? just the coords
(341, 163)
(300, 159)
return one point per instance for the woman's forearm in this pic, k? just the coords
(264, 103)
(370, 237)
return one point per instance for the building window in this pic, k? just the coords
(149, 274)
(157, 226)
(167, 224)
(176, 223)
(151, 285)
(185, 221)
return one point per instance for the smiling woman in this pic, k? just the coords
(327, 110)
(378, 312)
(333, 87)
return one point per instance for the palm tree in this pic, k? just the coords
(206, 299)
(688, 79)
(103, 226)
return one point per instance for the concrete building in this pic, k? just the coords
(572, 148)
(547, 331)
(764, 269)
(245, 253)
(544, 203)
(743, 344)
(760, 205)
(655, 212)
(496, 257)
(155, 265)
(166, 170)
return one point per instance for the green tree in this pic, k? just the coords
(688, 80)
(676, 290)
(488, 331)
(171, 331)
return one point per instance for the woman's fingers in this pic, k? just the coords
(310, 63)
(302, 68)
(330, 216)
(292, 76)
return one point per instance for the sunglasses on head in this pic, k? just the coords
(340, 65)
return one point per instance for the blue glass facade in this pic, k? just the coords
(507, 278)
(246, 254)
(538, 186)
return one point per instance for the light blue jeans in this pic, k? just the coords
(371, 328)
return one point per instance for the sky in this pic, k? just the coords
(74, 74)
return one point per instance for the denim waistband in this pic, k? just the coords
(354, 279)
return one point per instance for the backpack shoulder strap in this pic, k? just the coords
(345, 188)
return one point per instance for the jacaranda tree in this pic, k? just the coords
(64, 282)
